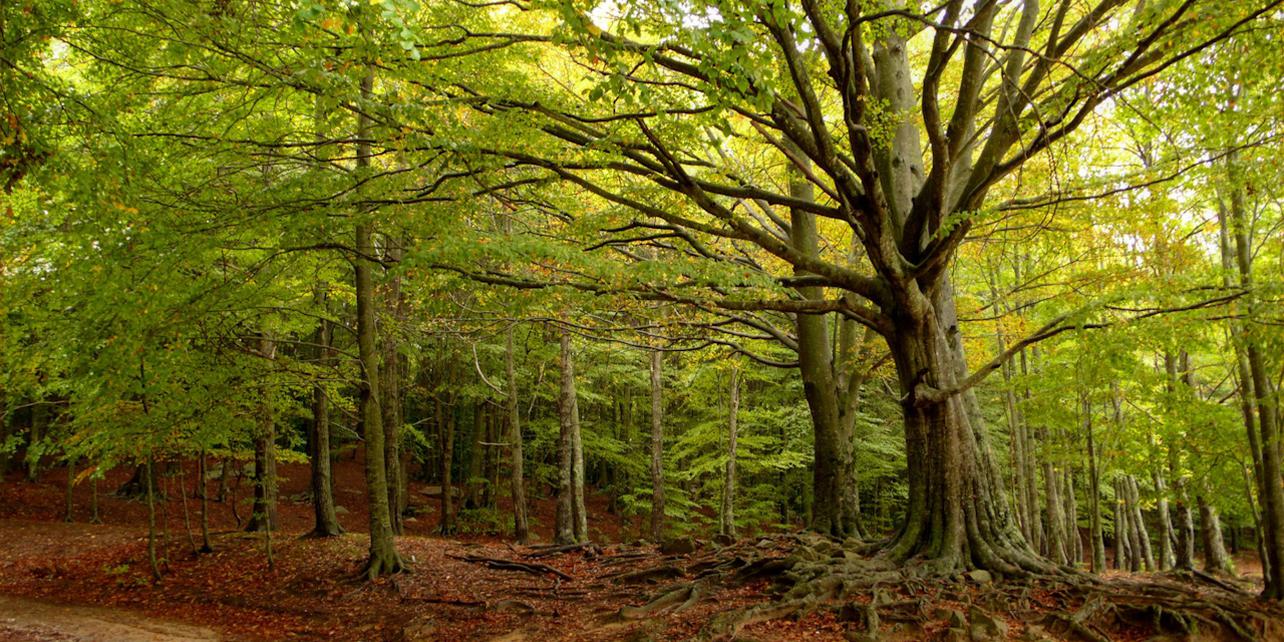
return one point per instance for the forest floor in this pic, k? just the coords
(81, 581)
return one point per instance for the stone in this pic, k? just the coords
(339, 510)
(983, 626)
(980, 576)
(678, 546)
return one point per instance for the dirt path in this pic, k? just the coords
(23, 620)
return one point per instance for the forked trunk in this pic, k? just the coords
(957, 517)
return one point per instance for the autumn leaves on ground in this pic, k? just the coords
(479, 586)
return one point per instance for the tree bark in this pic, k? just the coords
(326, 519)
(383, 557)
(833, 487)
(728, 514)
(1259, 400)
(446, 419)
(657, 444)
(517, 475)
(1138, 525)
(1215, 558)
(390, 387)
(1184, 556)
(569, 503)
(264, 516)
(1094, 501)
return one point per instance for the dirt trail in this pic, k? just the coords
(23, 620)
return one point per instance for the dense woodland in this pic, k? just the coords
(897, 294)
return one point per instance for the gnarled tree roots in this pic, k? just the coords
(874, 595)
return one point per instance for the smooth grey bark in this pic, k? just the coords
(1137, 524)
(571, 526)
(1210, 529)
(1184, 555)
(1094, 488)
(1074, 542)
(727, 516)
(655, 358)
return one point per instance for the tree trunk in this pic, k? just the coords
(833, 487)
(728, 515)
(475, 477)
(1257, 393)
(69, 506)
(264, 515)
(326, 519)
(446, 420)
(1215, 558)
(1074, 543)
(657, 445)
(956, 516)
(568, 411)
(521, 530)
(1138, 525)
(1055, 518)
(201, 473)
(152, 558)
(390, 386)
(1124, 557)
(1184, 557)
(383, 557)
(1094, 486)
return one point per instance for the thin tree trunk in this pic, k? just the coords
(1094, 486)
(567, 412)
(1184, 557)
(1139, 525)
(151, 523)
(71, 483)
(447, 423)
(517, 465)
(205, 505)
(390, 386)
(833, 504)
(728, 515)
(325, 517)
(383, 557)
(657, 446)
(265, 515)
(1259, 400)
(1074, 543)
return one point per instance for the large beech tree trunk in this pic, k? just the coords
(383, 558)
(957, 516)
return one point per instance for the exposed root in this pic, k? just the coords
(512, 565)
(809, 574)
